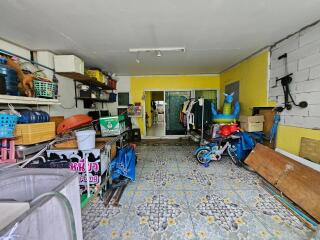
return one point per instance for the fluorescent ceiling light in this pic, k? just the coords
(163, 49)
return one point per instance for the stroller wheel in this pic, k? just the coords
(200, 156)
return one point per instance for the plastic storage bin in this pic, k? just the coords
(112, 97)
(44, 89)
(68, 63)
(112, 83)
(95, 74)
(8, 124)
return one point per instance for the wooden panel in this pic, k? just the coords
(85, 80)
(57, 120)
(33, 133)
(298, 182)
(310, 149)
(69, 144)
(268, 119)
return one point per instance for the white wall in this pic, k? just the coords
(303, 50)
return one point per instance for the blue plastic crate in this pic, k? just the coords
(8, 124)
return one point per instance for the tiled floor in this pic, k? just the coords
(157, 130)
(176, 198)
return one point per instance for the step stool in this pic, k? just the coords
(7, 151)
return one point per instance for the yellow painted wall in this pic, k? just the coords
(252, 74)
(289, 137)
(178, 82)
(148, 108)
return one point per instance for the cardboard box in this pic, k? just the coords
(251, 119)
(252, 123)
(112, 126)
(310, 149)
(252, 127)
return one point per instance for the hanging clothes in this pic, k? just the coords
(190, 115)
(197, 112)
(185, 106)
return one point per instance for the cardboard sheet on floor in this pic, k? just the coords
(298, 182)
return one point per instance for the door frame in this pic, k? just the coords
(192, 90)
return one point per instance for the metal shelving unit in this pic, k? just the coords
(94, 85)
(107, 180)
(5, 99)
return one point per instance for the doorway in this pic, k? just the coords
(174, 100)
(162, 110)
(155, 125)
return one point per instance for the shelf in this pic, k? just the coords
(27, 100)
(85, 80)
(95, 99)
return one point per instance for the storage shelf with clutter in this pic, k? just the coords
(33, 132)
(22, 82)
(91, 94)
(90, 81)
(93, 83)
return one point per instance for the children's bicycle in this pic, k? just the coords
(213, 151)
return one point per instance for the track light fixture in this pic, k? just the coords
(157, 51)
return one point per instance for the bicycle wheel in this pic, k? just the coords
(200, 155)
(232, 153)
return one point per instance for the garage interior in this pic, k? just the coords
(159, 119)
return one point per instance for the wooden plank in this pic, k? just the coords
(57, 120)
(310, 149)
(297, 181)
(268, 119)
(85, 80)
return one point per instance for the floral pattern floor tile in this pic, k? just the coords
(175, 197)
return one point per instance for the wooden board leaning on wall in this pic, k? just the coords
(295, 180)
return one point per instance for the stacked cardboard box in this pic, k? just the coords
(252, 123)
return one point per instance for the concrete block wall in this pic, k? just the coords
(303, 51)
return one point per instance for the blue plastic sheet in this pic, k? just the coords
(124, 164)
(244, 146)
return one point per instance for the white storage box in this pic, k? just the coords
(68, 63)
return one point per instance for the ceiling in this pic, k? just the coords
(216, 33)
